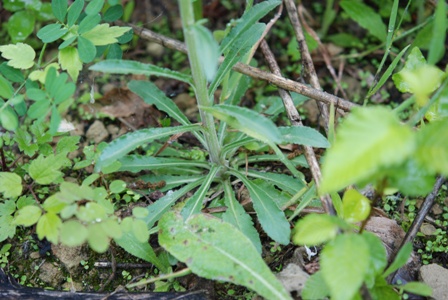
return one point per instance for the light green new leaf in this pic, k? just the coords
(119, 66)
(345, 263)
(46, 170)
(128, 142)
(247, 121)
(302, 135)
(209, 50)
(48, 227)
(6, 88)
(51, 32)
(315, 287)
(28, 215)
(10, 185)
(97, 238)
(194, 204)
(102, 35)
(247, 20)
(20, 55)
(355, 206)
(368, 140)
(418, 288)
(237, 216)
(366, 17)
(151, 94)
(9, 119)
(144, 251)
(378, 258)
(315, 229)
(73, 233)
(432, 147)
(270, 216)
(69, 60)
(214, 249)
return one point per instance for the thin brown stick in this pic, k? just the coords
(418, 221)
(294, 116)
(256, 73)
(307, 62)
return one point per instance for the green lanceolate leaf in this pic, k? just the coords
(118, 66)
(366, 17)
(247, 121)
(270, 216)
(128, 142)
(282, 181)
(238, 50)
(437, 46)
(237, 216)
(247, 20)
(400, 260)
(345, 263)
(212, 249)
(88, 23)
(209, 50)
(20, 55)
(161, 206)
(10, 185)
(151, 94)
(368, 140)
(194, 204)
(302, 135)
(137, 163)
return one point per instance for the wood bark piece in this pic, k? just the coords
(10, 289)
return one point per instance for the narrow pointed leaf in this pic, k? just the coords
(128, 142)
(302, 135)
(137, 163)
(118, 66)
(270, 216)
(213, 249)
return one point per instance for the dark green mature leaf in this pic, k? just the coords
(270, 216)
(94, 7)
(237, 51)
(366, 17)
(212, 249)
(86, 50)
(59, 8)
(10, 73)
(345, 263)
(302, 135)
(368, 140)
(247, 121)
(247, 20)
(74, 12)
(151, 94)
(194, 204)
(137, 163)
(237, 216)
(20, 25)
(113, 13)
(282, 181)
(51, 32)
(118, 66)
(437, 45)
(88, 23)
(128, 142)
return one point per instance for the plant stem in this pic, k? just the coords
(200, 81)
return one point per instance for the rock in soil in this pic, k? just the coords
(437, 278)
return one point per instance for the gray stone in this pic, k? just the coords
(437, 278)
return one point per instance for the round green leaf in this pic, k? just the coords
(9, 119)
(355, 206)
(10, 184)
(140, 212)
(117, 186)
(28, 215)
(91, 212)
(97, 238)
(73, 233)
(315, 229)
(140, 230)
(20, 25)
(112, 228)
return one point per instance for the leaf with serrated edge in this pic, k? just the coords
(10, 184)
(374, 138)
(237, 216)
(20, 55)
(128, 142)
(69, 60)
(102, 35)
(118, 66)
(271, 218)
(45, 170)
(212, 249)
